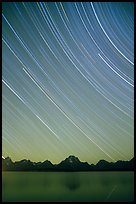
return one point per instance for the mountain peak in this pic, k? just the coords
(8, 159)
(72, 159)
(102, 161)
(72, 156)
(47, 162)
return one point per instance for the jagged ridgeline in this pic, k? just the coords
(71, 163)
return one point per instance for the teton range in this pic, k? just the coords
(71, 163)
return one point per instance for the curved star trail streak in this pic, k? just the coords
(108, 36)
(68, 80)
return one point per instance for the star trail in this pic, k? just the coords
(68, 80)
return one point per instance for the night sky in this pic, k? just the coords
(68, 81)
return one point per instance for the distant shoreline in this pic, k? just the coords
(69, 171)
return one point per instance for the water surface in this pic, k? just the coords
(68, 186)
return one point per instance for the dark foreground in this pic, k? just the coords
(68, 186)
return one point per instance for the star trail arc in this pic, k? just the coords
(74, 74)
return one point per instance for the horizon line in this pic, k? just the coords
(64, 159)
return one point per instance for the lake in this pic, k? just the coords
(68, 186)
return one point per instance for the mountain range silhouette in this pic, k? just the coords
(71, 163)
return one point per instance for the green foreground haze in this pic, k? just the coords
(67, 186)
